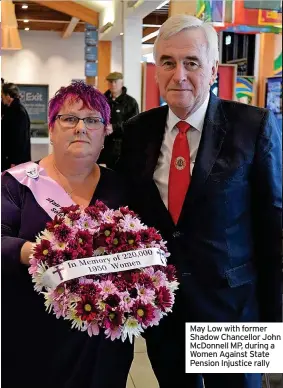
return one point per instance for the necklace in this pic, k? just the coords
(69, 192)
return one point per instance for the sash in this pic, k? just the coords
(96, 265)
(48, 194)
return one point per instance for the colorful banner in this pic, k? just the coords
(217, 11)
(204, 10)
(269, 18)
(211, 10)
(229, 13)
(277, 68)
(245, 90)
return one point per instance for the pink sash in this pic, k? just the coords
(49, 194)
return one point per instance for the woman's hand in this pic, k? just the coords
(26, 252)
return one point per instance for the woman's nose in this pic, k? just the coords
(80, 127)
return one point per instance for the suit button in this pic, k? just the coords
(176, 234)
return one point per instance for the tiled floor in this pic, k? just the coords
(141, 374)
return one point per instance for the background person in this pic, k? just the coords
(123, 107)
(15, 129)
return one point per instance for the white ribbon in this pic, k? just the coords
(96, 265)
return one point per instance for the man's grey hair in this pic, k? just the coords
(178, 23)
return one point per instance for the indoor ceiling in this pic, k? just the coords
(64, 16)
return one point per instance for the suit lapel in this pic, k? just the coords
(214, 130)
(155, 138)
(152, 153)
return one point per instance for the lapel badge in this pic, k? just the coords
(180, 163)
(32, 172)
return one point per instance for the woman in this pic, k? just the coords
(39, 350)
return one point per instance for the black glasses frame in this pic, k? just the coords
(100, 119)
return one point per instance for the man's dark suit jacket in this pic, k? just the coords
(227, 242)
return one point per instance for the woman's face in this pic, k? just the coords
(74, 139)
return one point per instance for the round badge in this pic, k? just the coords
(180, 163)
(32, 172)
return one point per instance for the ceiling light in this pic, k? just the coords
(151, 25)
(26, 20)
(24, 6)
(27, 29)
(121, 33)
(162, 4)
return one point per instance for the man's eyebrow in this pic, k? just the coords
(165, 57)
(192, 58)
(189, 57)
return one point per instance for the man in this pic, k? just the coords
(15, 133)
(123, 107)
(207, 174)
(3, 106)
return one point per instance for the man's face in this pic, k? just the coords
(184, 71)
(115, 86)
(6, 99)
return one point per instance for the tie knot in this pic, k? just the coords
(183, 126)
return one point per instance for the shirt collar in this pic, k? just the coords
(196, 120)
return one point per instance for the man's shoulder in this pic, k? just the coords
(238, 110)
(149, 115)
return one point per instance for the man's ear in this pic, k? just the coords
(214, 73)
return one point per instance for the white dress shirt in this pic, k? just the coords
(196, 121)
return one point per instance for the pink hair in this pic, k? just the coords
(78, 90)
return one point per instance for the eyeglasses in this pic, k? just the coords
(70, 121)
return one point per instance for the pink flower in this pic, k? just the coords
(157, 315)
(164, 299)
(63, 233)
(143, 312)
(107, 288)
(158, 279)
(126, 301)
(113, 318)
(93, 329)
(170, 271)
(129, 223)
(113, 333)
(86, 308)
(42, 250)
(146, 295)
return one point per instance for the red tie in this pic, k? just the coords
(179, 176)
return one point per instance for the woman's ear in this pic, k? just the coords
(51, 135)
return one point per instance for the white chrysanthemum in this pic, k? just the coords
(77, 323)
(46, 235)
(99, 251)
(68, 222)
(173, 286)
(131, 329)
(48, 296)
(59, 245)
(37, 276)
(131, 224)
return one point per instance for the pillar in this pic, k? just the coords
(132, 53)
(104, 64)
